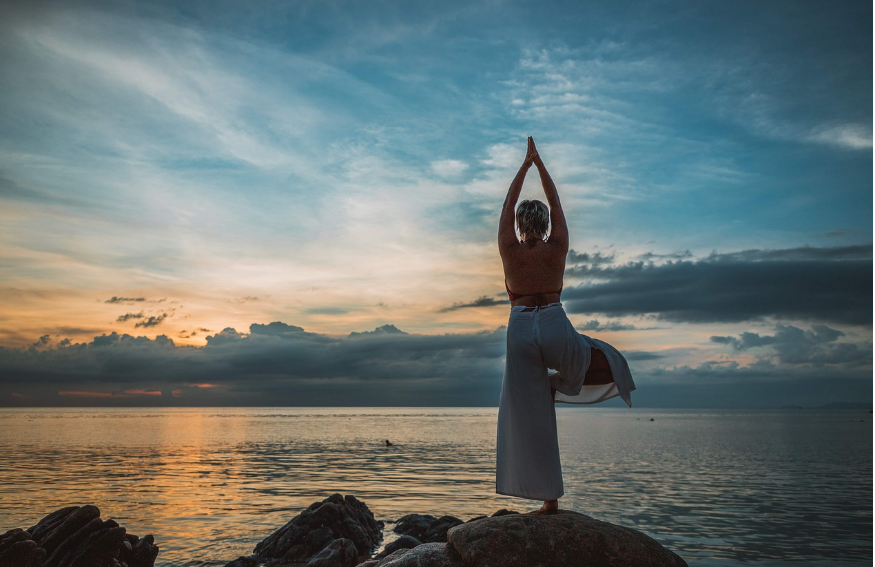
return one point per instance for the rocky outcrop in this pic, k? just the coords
(339, 531)
(535, 539)
(342, 532)
(75, 536)
(562, 538)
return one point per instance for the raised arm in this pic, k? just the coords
(506, 232)
(558, 227)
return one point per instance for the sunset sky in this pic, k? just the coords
(296, 203)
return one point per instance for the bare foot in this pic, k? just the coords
(550, 506)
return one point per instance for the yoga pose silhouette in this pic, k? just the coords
(539, 338)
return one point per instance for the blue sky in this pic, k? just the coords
(177, 169)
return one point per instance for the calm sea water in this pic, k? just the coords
(718, 487)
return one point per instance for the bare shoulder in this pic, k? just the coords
(557, 246)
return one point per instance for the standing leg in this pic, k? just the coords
(527, 452)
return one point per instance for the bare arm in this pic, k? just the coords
(506, 233)
(559, 229)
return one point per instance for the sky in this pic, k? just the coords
(296, 203)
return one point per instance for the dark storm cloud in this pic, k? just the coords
(819, 284)
(595, 258)
(793, 345)
(274, 363)
(482, 301)
(282, 364)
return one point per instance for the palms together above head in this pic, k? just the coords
(531, 153)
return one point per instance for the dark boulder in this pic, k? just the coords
(75, 536)
(339, 553)
(566, 538)
(314, 529)
(17, 549)
(426, 528)
(414, 525)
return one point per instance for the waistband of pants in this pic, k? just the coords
(527, 308)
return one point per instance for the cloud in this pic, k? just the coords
(482, 301)
(448, 168)
(115, 299)
(127, 316)
(283, 364)
(275, 361)
(792, 345)
(379, 331)
(594, 325)
(818, 284)
(650, 256)
(152, 321)
(595, 258)
(851, 136)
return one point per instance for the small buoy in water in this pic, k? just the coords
(651, 419)
(389, 443)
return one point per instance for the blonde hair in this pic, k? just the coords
(533, 217)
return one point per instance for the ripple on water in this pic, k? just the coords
(717, 487)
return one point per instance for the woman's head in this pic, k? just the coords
(532, 219)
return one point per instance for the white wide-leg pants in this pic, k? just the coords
(527, 449)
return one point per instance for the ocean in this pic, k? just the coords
(718, 487)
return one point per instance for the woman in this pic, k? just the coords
(540, 337)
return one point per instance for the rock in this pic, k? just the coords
(75, 536)
(143, 552)
(438, 530)
(339, 553)
(426, 528)
(426, 555)
(18, 550)
(69, 527)
(368, 563)
(476, 518)
(560, 539)
(403, 542)
(314, 529)
(504, 512)
(414, 525)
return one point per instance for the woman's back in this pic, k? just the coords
(533, 267)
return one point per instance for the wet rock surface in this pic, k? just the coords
(75, 536)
